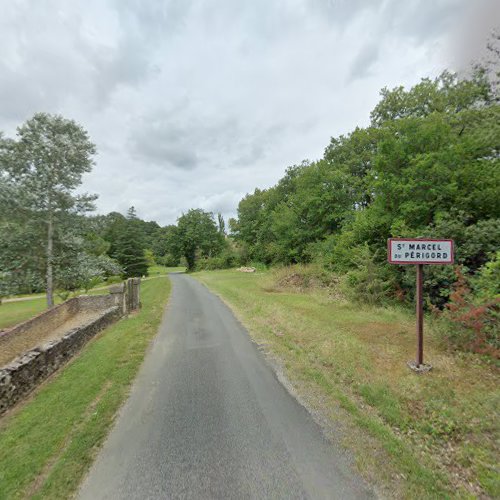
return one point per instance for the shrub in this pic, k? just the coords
(168, 260)
(110, 280)
(475, 243)
(472, 323)
(369, 281)
(487, 283)
(225, 260)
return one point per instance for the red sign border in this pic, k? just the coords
(389, 253)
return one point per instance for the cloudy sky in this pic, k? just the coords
(194, 103)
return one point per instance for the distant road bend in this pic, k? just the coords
(207, 418)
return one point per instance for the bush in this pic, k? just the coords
(225, 260)
(110, 280)
(472, 323)
(168, 260)
(487, 283)
(259, 266)
(369, 282)
(475, 243)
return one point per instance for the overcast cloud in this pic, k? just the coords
(194, 103)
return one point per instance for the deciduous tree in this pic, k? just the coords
(40, 171)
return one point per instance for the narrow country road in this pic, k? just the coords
(208, 419)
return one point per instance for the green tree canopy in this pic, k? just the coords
(198, 235)
(39, 172)
(128, 245)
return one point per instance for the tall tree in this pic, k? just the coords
(197, 234)
(222, 224)
(129, 247)
(44, 165)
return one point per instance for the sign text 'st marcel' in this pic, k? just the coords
(420, 251)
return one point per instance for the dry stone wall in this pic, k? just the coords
(43, 322)
(23, 374)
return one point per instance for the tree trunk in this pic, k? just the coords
(49, 282)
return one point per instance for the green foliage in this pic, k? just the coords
(165, 242)
(197, 236)
(110, 280)
(85, 272)
(428, 165)
(128, 246)
(444, 95)
(487, 282)
(221, 224)
(472, 323)
(149, 256)
(368, 281)
(168, 260)
(229, 257)
(39, 172)
(303, 277)
(130, 255)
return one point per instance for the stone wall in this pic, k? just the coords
(52, 319)
(24, 373)
(124, 295)
(21, 376)
(45, 321)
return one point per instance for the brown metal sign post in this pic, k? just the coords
(419, 252)
(420, 314)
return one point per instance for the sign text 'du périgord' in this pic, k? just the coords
(419, 251)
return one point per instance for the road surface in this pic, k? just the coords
(207, 418)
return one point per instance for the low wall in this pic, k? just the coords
(52, 319)
(95, 302)
(45, 321)
(21, 376)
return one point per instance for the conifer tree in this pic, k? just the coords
(129, 248)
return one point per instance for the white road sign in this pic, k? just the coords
(419, 251)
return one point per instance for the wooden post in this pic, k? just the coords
(420, 315)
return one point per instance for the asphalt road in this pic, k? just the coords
(208, 418)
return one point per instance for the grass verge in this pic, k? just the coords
(417, 436)
(48, 443)
(158, 270)
(12, 313)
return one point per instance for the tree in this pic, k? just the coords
(44, 166)
(427, 165)
(221, 224)
(128, 247)
(197, 233)
(85, 272)
(165, 246)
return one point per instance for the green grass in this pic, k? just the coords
(158, 270)
(48, 443)
(12, 313)
(428, 436)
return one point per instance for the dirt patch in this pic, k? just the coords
(16, 345)
(304, 278)
(302, 282)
